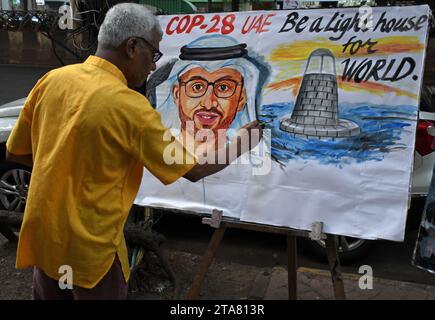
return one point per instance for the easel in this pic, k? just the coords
(221, 225)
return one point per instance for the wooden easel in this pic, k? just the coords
(221, 225)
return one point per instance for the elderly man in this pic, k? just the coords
(88, 135)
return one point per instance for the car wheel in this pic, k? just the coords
(14, 185)
(349, 249)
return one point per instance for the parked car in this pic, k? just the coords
(14, 178)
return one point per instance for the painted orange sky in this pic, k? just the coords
(291, 57)
(370, 86)
(301, 49)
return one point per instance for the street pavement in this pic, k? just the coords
(226, 280)
(314, 284)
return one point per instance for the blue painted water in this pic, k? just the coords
(381, 129)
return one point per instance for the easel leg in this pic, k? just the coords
(292, 267)
(334, 265)
(206, 262)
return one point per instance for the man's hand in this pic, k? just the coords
(247, 138)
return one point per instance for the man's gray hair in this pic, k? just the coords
(127, 20)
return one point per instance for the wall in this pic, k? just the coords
(30, 48)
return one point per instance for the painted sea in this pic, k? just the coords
(381, 126)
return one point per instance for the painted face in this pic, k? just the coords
(210, 99)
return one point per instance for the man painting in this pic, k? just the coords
(87, 134)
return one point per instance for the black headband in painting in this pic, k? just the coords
(213, 53)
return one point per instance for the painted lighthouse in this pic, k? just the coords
(315, 114)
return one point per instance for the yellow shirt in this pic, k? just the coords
(90, 136)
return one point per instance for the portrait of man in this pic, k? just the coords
(213, 87)
(210, 100)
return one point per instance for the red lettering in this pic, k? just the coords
(258, 24)
(222, 24)
(244, 30)
(181, 28)
(168, 30)
(267, 23)
(227, 24)
(213, 28)
(196, 22)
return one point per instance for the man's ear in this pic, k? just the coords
(242, 101)
(131, 48)
(176, 93)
